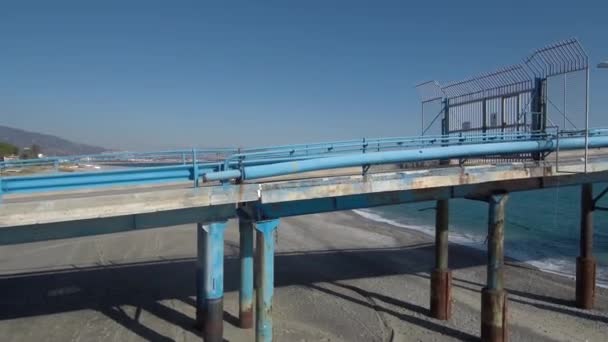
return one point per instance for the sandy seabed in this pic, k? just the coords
(339, 277)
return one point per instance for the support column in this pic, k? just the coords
(264, 279)
(585, 263)
(246, 285)
(493, 296)
(210, 280)
(441, 276)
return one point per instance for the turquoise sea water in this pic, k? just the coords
(542, 226)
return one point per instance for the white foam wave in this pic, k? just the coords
(563, 267)
(471, 240)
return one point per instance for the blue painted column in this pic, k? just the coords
(264, 279)
(246, 285)
(493, 296)
(210, 280)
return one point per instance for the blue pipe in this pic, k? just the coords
(435, 153)
(89, 179)
(148, 175)
(265, 166)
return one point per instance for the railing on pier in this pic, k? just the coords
(247, 163)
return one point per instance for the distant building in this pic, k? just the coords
(9, 158)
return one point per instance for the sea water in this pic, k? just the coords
(542, 226)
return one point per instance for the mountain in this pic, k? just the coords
(50, 145)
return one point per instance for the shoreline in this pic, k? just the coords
(368, 214)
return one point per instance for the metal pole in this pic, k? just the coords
(484, 115)
(517, 110)
(195, 173)
(246, 285)
(422, 119)
(585, 263)
(441, 276)
(445, 128)
(493, 296)
(586, 117)
(210, 280)
(502, 115)
(264, 278)
(565, 92)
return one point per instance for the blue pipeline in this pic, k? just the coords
(436, 153)
(265, 278)
(267, 166)
(56, 182)
(148, 175)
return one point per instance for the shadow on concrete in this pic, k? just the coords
(143, 285)
(544, 302)
(530, 295)
(373, 304)
(132, 323)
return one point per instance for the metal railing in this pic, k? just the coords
(235, 165)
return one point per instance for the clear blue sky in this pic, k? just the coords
(161, 74)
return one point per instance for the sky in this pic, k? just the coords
(147, 75)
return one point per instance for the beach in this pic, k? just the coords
(338, 277)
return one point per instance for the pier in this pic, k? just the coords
(479, 160)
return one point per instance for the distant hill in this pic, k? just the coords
(50, 145)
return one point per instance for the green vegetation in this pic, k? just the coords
(8, 149)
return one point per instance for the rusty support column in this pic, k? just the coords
(246, 285)
(210, 280)
(493, 296)
(585, 263)
(441, 277)
(264, 278)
